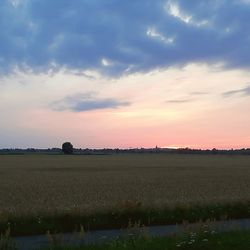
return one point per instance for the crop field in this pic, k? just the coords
(33, 184)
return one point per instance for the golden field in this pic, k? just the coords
(32, 184)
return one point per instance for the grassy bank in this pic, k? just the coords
(120, 219)
(206, 240)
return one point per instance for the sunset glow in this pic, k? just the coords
(175, 88)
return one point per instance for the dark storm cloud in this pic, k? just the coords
(86, 102)
(116, 37)
(243, 92)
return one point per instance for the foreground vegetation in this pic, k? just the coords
(59, 193)
(205, 240)
(55, 223)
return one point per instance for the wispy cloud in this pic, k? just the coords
(190, 97)
(243, 92)
(197, 93)
(86, 102)
(179, 101)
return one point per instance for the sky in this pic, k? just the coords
(141, 73)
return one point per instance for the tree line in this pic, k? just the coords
(67, 148)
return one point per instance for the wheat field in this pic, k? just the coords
(33, 184)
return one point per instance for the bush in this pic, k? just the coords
(67, 148)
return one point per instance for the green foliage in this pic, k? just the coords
(205, 240)
(124, 218)
(5, 241)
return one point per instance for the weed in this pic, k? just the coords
(6, 243)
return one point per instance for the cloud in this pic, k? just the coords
(118, 37)
(243, 92)
(192, 96)
(197, 93)
(86, 102)
(179, 101)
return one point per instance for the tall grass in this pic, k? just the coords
(122, 218)
(203, 240)
(6, 243)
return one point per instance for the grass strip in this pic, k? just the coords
(69, 222)
(206, 240)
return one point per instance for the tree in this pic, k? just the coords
(67, 148)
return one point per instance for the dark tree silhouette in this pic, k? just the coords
(67, 148)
